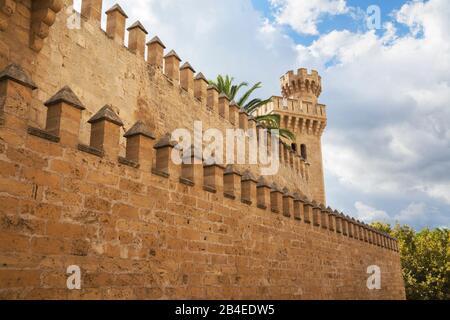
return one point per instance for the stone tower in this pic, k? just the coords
(302, 114)
(306, 117)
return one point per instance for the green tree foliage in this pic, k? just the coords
(425, 258)
(224, 84)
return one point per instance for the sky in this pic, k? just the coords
(387, 86)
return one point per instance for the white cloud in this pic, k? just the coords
(368, 214)
(218, 37)
(429, 18)
(439, 191)
(414, 213)
(304, 15)
(417, 214)
(388, 100)
(387, 95)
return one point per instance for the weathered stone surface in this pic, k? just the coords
(139, 128)
(200, 76)
(248, 176)
(15, 73)
(118, 8)
(42, 134)
(139, 25)
(65, 95)
(172, 53)
(106, 113)
(164, 142)
(187, 65)
(156, 39)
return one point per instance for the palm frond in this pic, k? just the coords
(255, 104)
(224, 84)
(235, 89)
(247, 95)
(271, 121)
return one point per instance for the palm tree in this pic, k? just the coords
(270, 121)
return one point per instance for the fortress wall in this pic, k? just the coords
(100, 71)
(136, 234)
(142, 233)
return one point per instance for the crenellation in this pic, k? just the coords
(252, 122)
(172, 66)
(15, 73)
(16, 92)
(115, 23)
(187, 77)
(155, 53)
(263, 194)
(356, 232)
(200, 88)
(234, 114)
(369, 235)
(213, 178)
(232, 182)
(136, 38)
(91, 10)
(140, 143)
(249, 188)
(276, 198)
(316, 214)
(338, 220)
(243, 120)
(299, 203)
(189, 174)
(224, 106)
(323, 217)
(331, 219)
(163, 164)
(351, 226)
(288, 203)
(308, 211)
(302, 84)
(64, 116)
(361, 231)
(344, 223)
(105, 131)
(212, 98)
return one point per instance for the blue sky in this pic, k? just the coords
(338, 22)
(387, 145)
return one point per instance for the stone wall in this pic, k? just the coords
(138, 234)
(80, 193)
(101, 71)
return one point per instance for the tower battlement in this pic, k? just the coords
(301, 84)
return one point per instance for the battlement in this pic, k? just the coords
(294, 106)
(301, 84)
(200, 101)
(301, 117)
(144, 152)
(87, 179)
